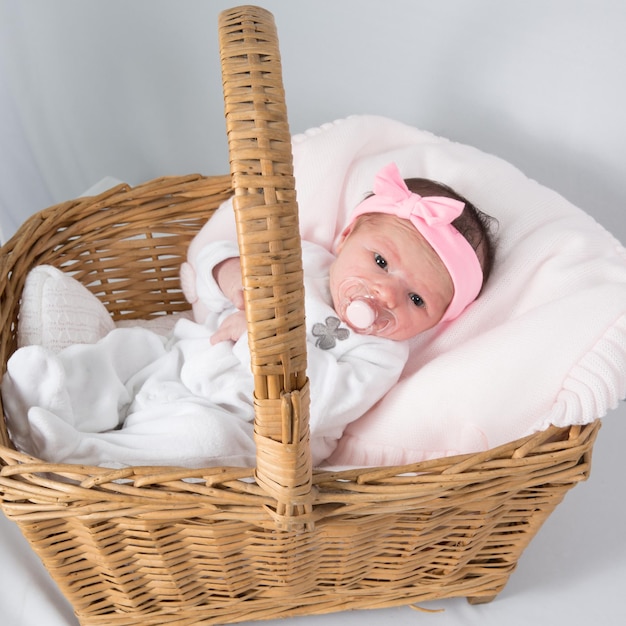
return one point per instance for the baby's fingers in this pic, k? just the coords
(231, 329)
(237, 298)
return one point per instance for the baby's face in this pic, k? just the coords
(401, 271)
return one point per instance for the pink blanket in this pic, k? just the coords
(545, 343)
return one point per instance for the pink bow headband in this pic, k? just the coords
(432, 216)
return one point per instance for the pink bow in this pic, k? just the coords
(434, 210)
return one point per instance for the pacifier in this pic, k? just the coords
(361, 309)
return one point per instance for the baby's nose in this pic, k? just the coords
(386, 293)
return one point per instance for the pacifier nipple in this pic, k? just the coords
(360, 314)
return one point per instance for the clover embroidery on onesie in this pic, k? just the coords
(329, 332)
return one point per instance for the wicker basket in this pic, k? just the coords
(167, 545)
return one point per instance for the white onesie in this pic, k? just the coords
(136, 398)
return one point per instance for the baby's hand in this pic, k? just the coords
(227, 274)
(233, 327)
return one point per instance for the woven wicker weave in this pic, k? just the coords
(166, 545)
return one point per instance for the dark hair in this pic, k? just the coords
(477, 227)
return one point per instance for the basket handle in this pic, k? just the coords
(266, 215)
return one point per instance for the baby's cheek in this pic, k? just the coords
(407, 327)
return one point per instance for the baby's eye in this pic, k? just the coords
(380, 261)
(417, 300)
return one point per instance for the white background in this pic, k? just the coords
(132, 89)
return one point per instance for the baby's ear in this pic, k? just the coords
(342, 238)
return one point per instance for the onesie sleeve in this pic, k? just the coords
(198, 284)
(346, 383)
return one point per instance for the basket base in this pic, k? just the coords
(481, 599)
(258, 609)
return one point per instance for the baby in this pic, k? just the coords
(414, 255)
